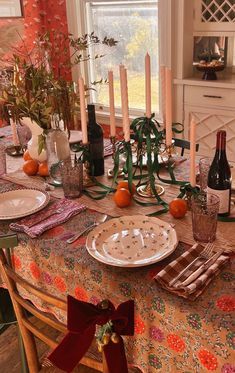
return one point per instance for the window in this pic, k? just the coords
(134, 23)
(11, 8)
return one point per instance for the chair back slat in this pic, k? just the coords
(53, 300)
(40, 315)
(37, 332)
(183, 144)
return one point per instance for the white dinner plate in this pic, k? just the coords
(132, 241)
(22, 202)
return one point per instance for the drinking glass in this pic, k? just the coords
(71, 171)
(204, 166)
(205, 207)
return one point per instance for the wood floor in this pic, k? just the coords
(9, 352)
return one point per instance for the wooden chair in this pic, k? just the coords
(29, 329)
(8, 316)
(183, 144)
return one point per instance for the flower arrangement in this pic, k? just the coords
(40, 85)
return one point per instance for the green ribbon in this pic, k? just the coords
(226, 219)
(188, 189)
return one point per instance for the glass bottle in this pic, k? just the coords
(219, 176)
(96, 143)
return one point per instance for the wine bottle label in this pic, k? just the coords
(224, 197)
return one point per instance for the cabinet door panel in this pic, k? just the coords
(214, 15)
(208, 123)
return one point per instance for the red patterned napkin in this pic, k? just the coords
(54, 214)
(108, 148)
(197, 286)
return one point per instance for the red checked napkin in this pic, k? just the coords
(197, 286)
(54, 214)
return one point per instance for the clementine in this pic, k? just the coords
(43, 169)
(27, 156)
(124, 184)
(30, 167)
(178, 208)
(122, 197)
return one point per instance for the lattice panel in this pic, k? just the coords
(207, 126)
(218, 11)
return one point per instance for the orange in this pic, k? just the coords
(43, 169)
(122, 197)
(178, 208)
(124, 184)
(27, 156)
(30, 167)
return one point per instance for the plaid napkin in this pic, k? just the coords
(197, 286)
(54, 214)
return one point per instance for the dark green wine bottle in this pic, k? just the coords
(96, 141)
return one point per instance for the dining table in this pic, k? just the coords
(172, 334)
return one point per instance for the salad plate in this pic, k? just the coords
(22, 202)
(132, 241)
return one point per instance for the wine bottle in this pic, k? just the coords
(96, 141)
(219, 176)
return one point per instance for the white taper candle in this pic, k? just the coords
(83, 110)
(193, 153)
(124, 100)
(111, 105)
(148, 85)
(168, 107)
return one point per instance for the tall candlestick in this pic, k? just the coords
(148, 86)
(15, 137)
(83, 110)
(124, 99)
(111, 105)
(163, 92)
(168, 107)
(193, 153)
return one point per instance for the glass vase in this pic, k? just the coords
(58, 150)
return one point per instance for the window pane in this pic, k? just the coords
(135, 25)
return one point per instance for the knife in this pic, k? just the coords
(201, 269)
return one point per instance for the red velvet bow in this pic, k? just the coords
(82, 320)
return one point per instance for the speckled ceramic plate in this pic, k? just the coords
(22, 202)
(132, 241)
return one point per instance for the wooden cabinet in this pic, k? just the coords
(213, 109)
(214, 15)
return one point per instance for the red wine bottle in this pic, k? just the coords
(219, 176)
(96, 141)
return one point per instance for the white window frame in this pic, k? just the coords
(77, 27)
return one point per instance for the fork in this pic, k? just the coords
(205, 254)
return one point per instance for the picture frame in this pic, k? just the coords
(11, 9)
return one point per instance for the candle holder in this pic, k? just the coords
(147, 192)
(120, 172)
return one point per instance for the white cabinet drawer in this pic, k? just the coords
(209, 96)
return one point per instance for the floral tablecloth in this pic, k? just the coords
(171, 333)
